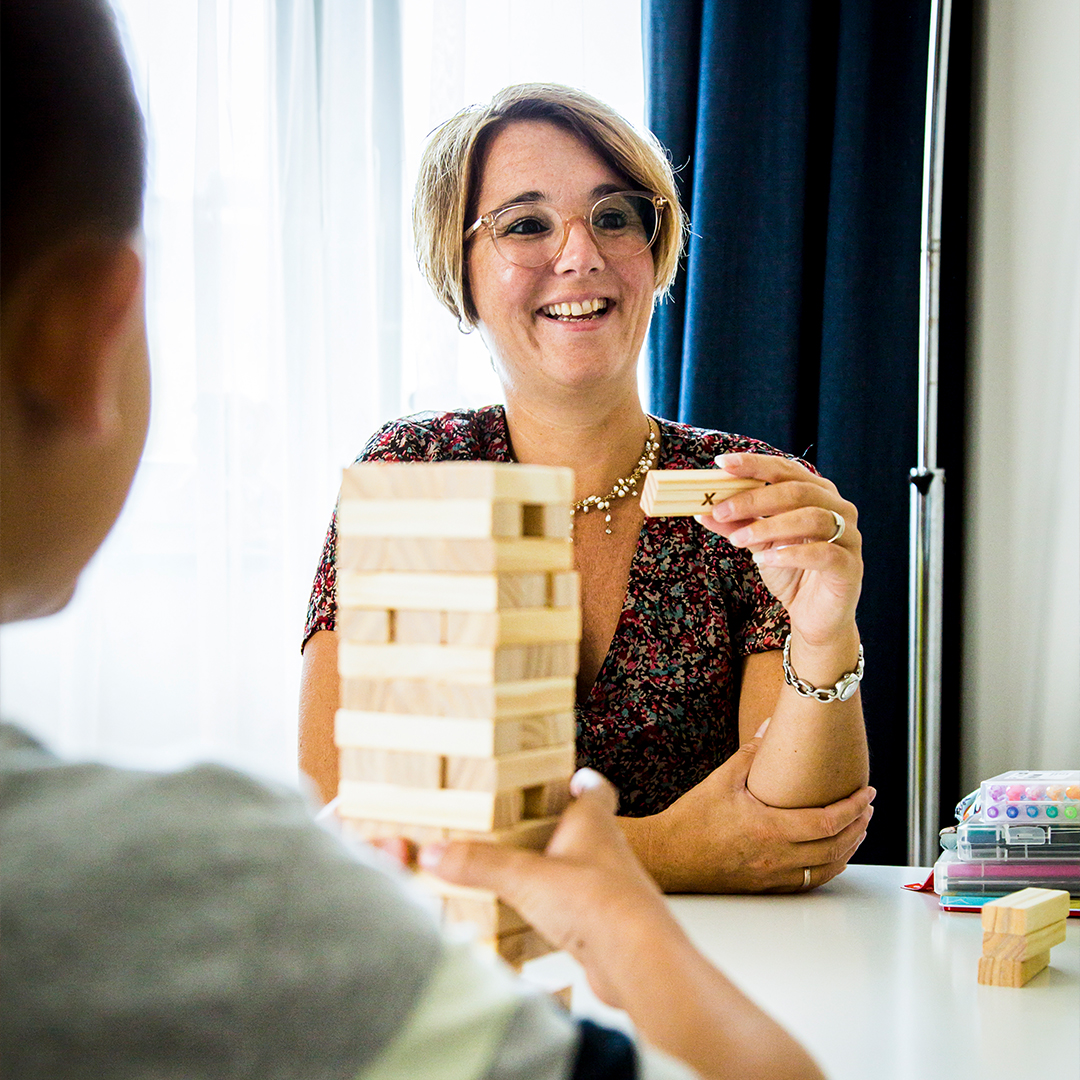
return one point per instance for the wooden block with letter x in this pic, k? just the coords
(686, 492)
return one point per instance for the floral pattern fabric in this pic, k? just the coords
(663, 712)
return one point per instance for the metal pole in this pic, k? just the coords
(927, 482)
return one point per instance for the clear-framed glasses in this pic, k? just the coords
(532, 234)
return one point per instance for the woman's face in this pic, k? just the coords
(537, 352)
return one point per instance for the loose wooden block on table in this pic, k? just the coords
(1024, 946)
(1000, 971)
(1025, 911)
(686, 492)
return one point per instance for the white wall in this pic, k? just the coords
(1021, 677)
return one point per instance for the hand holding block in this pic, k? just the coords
(1025, 911)
(686, 492)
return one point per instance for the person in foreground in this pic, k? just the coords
(198, 923)
(547, 222)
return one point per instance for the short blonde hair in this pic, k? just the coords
(451, 171)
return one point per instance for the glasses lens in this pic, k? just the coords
(528, 234)
(625, 224)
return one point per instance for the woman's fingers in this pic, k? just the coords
(808, 524)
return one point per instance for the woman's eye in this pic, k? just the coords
(524, 226)
(611, 220)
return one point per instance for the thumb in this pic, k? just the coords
(477, 864)
(743, 758)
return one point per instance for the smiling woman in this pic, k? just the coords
(551, 225)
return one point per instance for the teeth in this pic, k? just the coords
(576, 308)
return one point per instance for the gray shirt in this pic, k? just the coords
(199, 924)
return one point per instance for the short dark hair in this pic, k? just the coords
(72, 146)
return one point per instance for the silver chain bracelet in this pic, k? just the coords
(845, 687)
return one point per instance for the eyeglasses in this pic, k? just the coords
(528, 234)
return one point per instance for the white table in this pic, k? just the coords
(878, 983)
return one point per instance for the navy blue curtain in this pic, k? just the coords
(797, 130)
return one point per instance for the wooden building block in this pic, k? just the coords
(546, 800)
(565, 591)
(522, 590)
(457, 663)
(491, 917)
(686, 492)
(552, 519)
(476, 811)
(458, 479)
(519, 626)
(372, 626)
(525, 769)
(419, 627)
(458, 519)
(1025, 911)
(369, 832)
(521, 947)
(533, 835)
(998, 971)
(431, 697)
(445, 735)
(413, 769)
(418, 592)
(1024, 946)
(449, 556)
(481, 737)
(407, 591)
(549, 730)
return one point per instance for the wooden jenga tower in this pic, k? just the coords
(459, 620)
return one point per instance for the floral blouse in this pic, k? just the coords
(663, 712)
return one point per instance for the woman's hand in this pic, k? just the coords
(719, 838)
(787, 525)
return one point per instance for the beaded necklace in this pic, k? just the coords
(625, 485)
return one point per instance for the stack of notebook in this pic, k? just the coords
(1019, 830)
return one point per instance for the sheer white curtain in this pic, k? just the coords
(286, 321)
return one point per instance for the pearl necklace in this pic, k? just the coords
(625, 485)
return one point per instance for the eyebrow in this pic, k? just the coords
(597, 192)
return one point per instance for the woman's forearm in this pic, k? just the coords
(813, 753)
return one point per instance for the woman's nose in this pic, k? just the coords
(579, 251)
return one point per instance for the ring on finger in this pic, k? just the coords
(841, 526)
(806, 877)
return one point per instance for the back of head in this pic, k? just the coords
(72, 162)
(74, 393)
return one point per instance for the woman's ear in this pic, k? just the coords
(67, 342)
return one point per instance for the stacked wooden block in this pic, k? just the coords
(687, 492)
(459, 620)
(1018, 932)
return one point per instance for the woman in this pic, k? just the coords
(545, 221)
